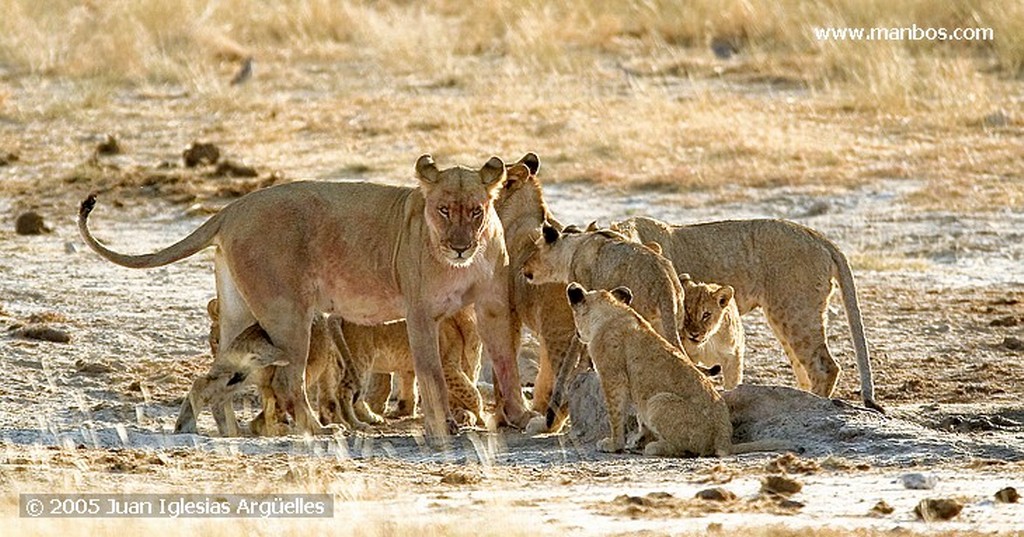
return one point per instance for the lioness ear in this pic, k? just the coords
(515, 173)
(622, 294)
(531, 161)
(575, 292)
(592, 226)
(550, 234)
(657, 249)
(426, 169)
(493, 172)
(725, 294)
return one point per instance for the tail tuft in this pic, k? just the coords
(87, 206)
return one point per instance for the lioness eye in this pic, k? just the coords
(443, 211)
(478, 212)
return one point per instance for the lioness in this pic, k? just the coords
(604, 259)
(371, 253)
(673, 400)
(712, 331)
(248, 360)
(787, 269)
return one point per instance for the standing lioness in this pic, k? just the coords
(672, 398)
(371, 253)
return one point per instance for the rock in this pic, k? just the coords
(1008, 495)
(716, 494)
(201, 153)
(932, 509)
(780, 485)
(42, 333)
(791, 504)
(109, 146)
(1013, 343)
(882, 508)
(230, 168)
(818, 208)
(918, 481)
(31, 223)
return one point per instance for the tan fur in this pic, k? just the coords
(712, 331)
(674, 401)
(249, 361)
(384, 349)
(783, 267)
(370, 253)
(542, 308)
(603, 260)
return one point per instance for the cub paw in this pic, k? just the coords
(607, 445)
(537, 425)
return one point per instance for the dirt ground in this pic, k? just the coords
(942, 295)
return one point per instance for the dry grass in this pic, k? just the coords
(619, 93)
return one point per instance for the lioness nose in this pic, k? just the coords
(460, 250)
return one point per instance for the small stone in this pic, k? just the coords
(92, 368)
(31, 223)
(918, 481)
(42, 333)
(791, 504)
(882, 508)
(781, 485)
(818, 208)
(109, 146)
(230, 168)
(1013, 343)
(716, 494)
(996, 119)
(201, 153)
(8, 158)
(461, 477)
(937, 509)
(1007, 495)
(1007, 321)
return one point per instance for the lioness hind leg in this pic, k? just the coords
(377, 393)
(406, 395)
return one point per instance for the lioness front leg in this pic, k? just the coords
(501, 344)
(423, 341)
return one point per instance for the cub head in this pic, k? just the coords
(552, 259)
(521, 198)
(459, 209)
(592, 309)
(705, 305)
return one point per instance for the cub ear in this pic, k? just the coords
(724, 295)
(213, 309)
(623, 294)
(592, 226)
(531, 161)
(493, 172)
(657, 249)
(426, 169)
(514, 174)
(685, 279)
(572, 228)
(576, 293)
(550, 234)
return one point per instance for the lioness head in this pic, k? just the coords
(592, 309)
(521, 196)
(459, 209)
(705, 305)
(552, 260)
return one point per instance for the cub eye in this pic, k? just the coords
(478, 212)
(443, 211)
(706, 316)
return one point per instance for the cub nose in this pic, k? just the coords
(460, 249)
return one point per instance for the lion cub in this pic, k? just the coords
(604, 259)
(673, 400)
(712, 331)
(248, 361)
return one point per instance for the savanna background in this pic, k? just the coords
(906, 153)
